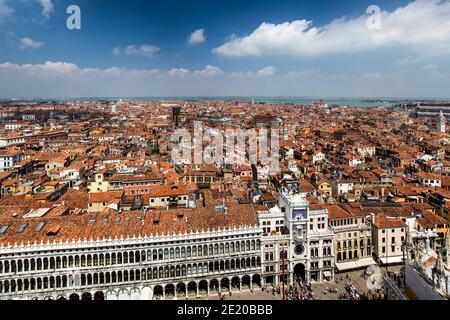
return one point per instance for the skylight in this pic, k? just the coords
(21, 228)
(39, 226)
(4, 228)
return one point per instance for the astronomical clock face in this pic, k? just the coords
(299, 249)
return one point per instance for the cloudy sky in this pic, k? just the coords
(316, 48)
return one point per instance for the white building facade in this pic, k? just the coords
(303, 237)
(139, 268)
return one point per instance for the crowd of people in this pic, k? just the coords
(304, 291)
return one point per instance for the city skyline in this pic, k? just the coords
(211, 48)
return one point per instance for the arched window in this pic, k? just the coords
(131, 275)
(188, 252)
(131, 257)
(150, 255)
(26, 265)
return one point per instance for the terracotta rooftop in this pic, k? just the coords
(127, 224)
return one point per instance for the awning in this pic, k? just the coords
(327, 273)
(391, 260)
(361, 263)
(366, 262)
(341, 266)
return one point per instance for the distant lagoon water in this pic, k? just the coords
(362, 102)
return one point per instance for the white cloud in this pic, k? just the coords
(196, 37)
(144, 50)
(66, 79)
(407, 61)
(432, 69)
(209, 71)
(267, 71)
(28, 43)
(47, 7)
(61, 68)
(423, 25)
(179, 72)
(67, 68)
(264, 72)
(6, 12)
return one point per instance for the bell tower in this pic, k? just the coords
(441, 122)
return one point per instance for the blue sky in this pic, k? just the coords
(240, 47)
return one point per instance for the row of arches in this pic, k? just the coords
(99, 295)
(127, 257)
(205, 287)
(172, 290)
(155, 273)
